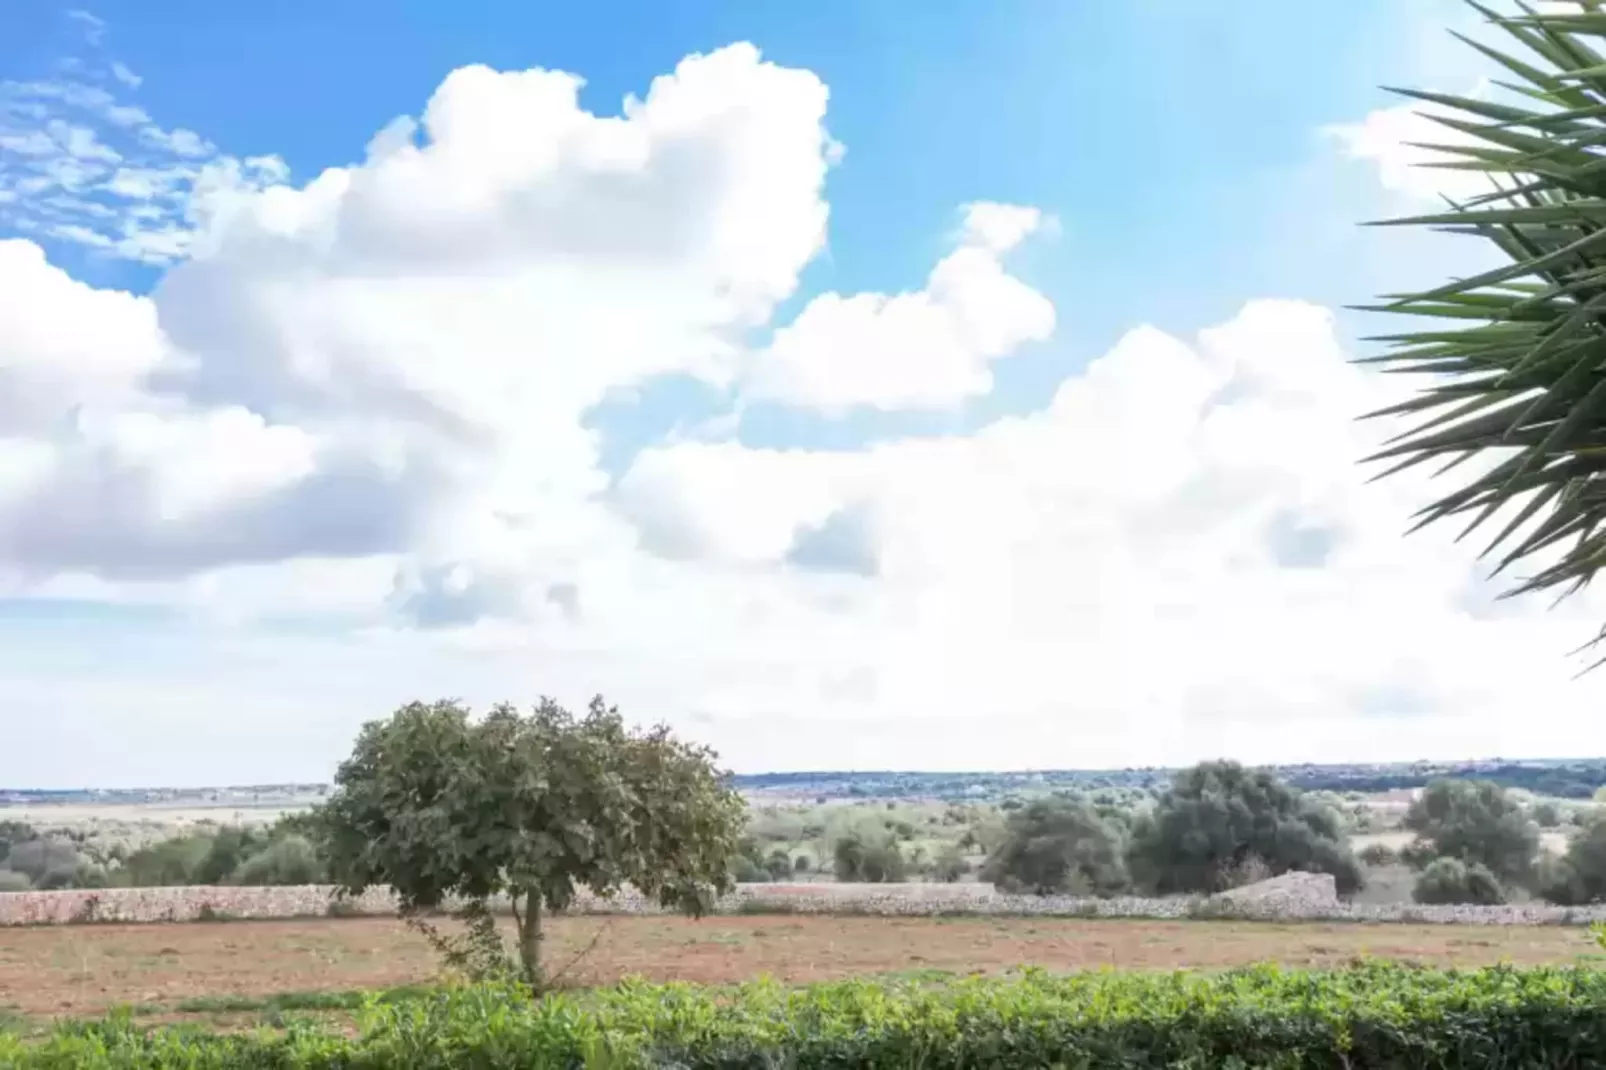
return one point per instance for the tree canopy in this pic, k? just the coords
(1058, 846)
(441, 806)
(1218, 819)
(1476, 822)
(1579, 876)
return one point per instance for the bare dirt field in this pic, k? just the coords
(168, 970)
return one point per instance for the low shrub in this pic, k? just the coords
(1379, 854)
(1372, 1016)
(1450, 880)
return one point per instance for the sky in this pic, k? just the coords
(899, 385)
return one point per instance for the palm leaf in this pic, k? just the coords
(1518, 353)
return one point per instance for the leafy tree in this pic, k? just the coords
(950, 864)
(166, 863)
(859, 860)
(1579, 876)
(779, 865)
(438, 805)
(289, 860)
(747, 863)
(1515, 350)
(1475, 821)
(1058, 846)
(1546, 815)
(1217, 818)
(230, 846)
(43, 857)
(1450, 880)
(12, 833)
(743, 870)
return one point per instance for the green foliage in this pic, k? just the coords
(778, 865)
(1219, 818)
(950, 865)
(1475, 821)
(1579, 877)
(228, 848)
(12, 833)
(1375, 1016)
(1547, 815)
(1058, 846)
(1450, 880)
(12, 881)
(44, 860)
(168, 862)
(1418, 854)
(1516, 352)
(289, 860)
(440, 806)
(857, 860)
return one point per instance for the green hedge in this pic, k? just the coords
(1374, 1017)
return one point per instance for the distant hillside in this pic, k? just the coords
(1574, 778)
(1566, 778)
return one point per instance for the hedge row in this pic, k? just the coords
(1370, 1016)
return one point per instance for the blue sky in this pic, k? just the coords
(1158, 132)
(770, 531)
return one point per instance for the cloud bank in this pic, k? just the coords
(363, 405)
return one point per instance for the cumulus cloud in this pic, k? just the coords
(929, 349)
(1399, 142)
(362, 403)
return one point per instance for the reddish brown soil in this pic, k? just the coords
(83, 970)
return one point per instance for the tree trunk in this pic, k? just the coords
(530, 939)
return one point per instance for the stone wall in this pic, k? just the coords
(890, 900)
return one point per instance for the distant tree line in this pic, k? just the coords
(279, 854)
(1573, 781)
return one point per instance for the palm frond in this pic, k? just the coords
(1519, 357)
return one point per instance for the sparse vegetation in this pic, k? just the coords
(1378, 854)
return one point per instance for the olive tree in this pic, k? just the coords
(1579, 876)
(1474, 821)
(1450, 880)
(1219, 819)
(442, 806)
(1057, 846)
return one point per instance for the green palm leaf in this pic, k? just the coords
(1519, 353)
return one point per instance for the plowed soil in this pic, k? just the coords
(84, 970)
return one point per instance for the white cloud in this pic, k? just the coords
(353, 424)
(1392, 140)
(80, 164)
(925, 350)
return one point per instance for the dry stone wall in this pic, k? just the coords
(1281, 899)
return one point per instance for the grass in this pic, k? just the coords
(349, 999)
